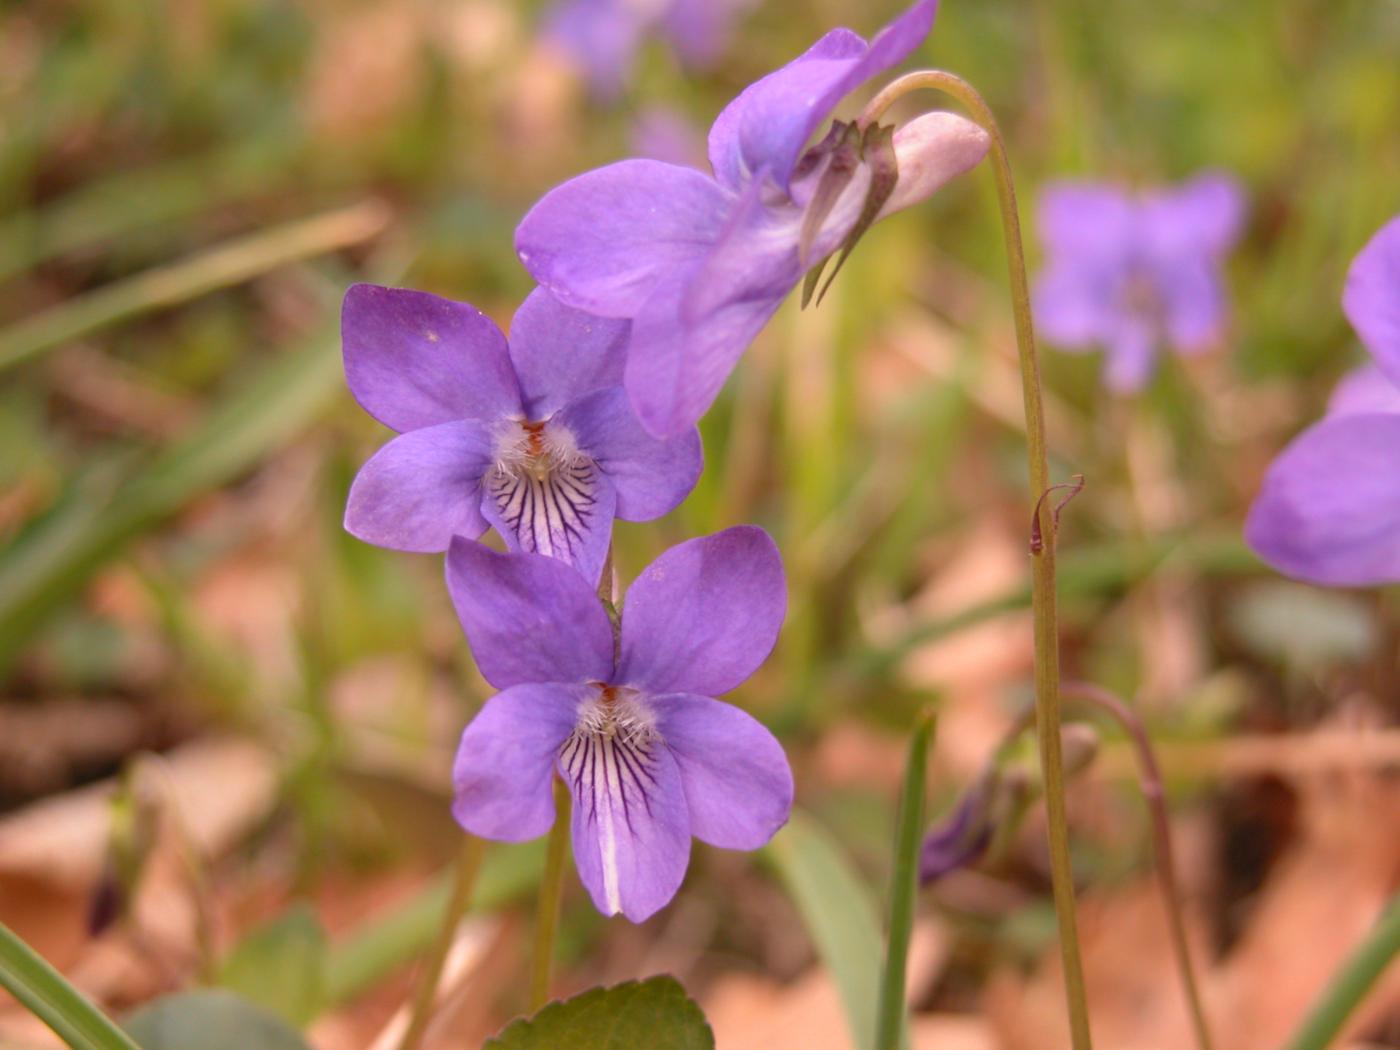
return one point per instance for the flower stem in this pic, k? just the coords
(909, 828)
(1150, 780)
(466, 867)
(1047, 658)
(551, 890)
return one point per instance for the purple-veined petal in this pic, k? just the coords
(1329, 508)
(631, 832)
(1085, 223)
(414, 360)
(1372, 297)
(1202, 217)
(650, 475)
(505, 762)
(528, 618)
(422, 488)
(601, 241)
(704, 616)
(565, 512)
(738, 785)
(768, 125)
(1364, 390)
(602, 37)
(561, 354)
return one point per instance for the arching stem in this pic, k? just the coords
(1047, 659)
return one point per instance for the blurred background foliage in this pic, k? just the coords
(187, 188)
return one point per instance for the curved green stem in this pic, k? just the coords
(551, 890)
(1047, 659)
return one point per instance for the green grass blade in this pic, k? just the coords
(46, 995)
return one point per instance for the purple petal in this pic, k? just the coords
(1329, 508)
(1131, 356)
(602, 37)
(699, 29)
(501, 778)
(1193, 301)
(1087, 223)
(738, 785)
(1372, 297)
(704, 615)
(768, 125)
(601, 241)
(422, 488)
(1203, 216)
(566, 513)
(528, 618)
(413, 359)
(959, 839)
(651, 476)
(630, 830)
(1074, 305)
(664, 134)
(1364, 390)
(561, 354)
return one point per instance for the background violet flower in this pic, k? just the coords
(650, 757)
(1129, 272)
(1329, 509)
(534, 438)
(700, 263)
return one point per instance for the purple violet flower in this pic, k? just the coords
(701, 263)
(1129, 272)
(603, 35)
(962, 837)
(534, 438)
(628, 723)
(1329, 508)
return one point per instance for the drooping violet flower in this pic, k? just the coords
(1131, 272)
(629, 724)
(603, 36)
(962, 837)
(701, 263)
(1329, 509)
(534, 438)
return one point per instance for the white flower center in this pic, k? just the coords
(544, 487)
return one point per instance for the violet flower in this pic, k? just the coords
(534, 438)
(1131, 272)
(962, 837)
(701, 263)
(628, 723)
(1329, 509)
(603, 35)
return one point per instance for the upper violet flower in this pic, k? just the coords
(700, 263)
(534, 438)
(628, 722)
(603, 35)
(1130, 272)
(1329, 509)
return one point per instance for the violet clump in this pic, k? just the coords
(700, 263)
(1131, 272)
(628, 721)
(1329, 508)
(533, 437)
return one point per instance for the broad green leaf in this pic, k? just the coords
(281, 966)
(840, 916)
(210, 1019)
(655, 1013)
(44, 993)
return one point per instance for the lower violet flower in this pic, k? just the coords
(1130, 272)
(626, 720)
(1329, 509)
(535, 438)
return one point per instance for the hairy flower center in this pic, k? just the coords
(544, 487)
(536, 450)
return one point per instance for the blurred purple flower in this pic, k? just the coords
(630, 726)
(701, 263)
(961, 837)
(603, 35)
(660, 133)
(535, 439)
(1129, 272)
(1329, 508)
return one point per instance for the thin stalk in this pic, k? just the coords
(1351, 983)
(551, 892)
(466, 867)
(909, 829)
(1047, 657)
(1150, 780)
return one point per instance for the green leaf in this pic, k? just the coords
(281, 966)
(210, 1019)
(45, 994)
(840, 916)
(655, 1013)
